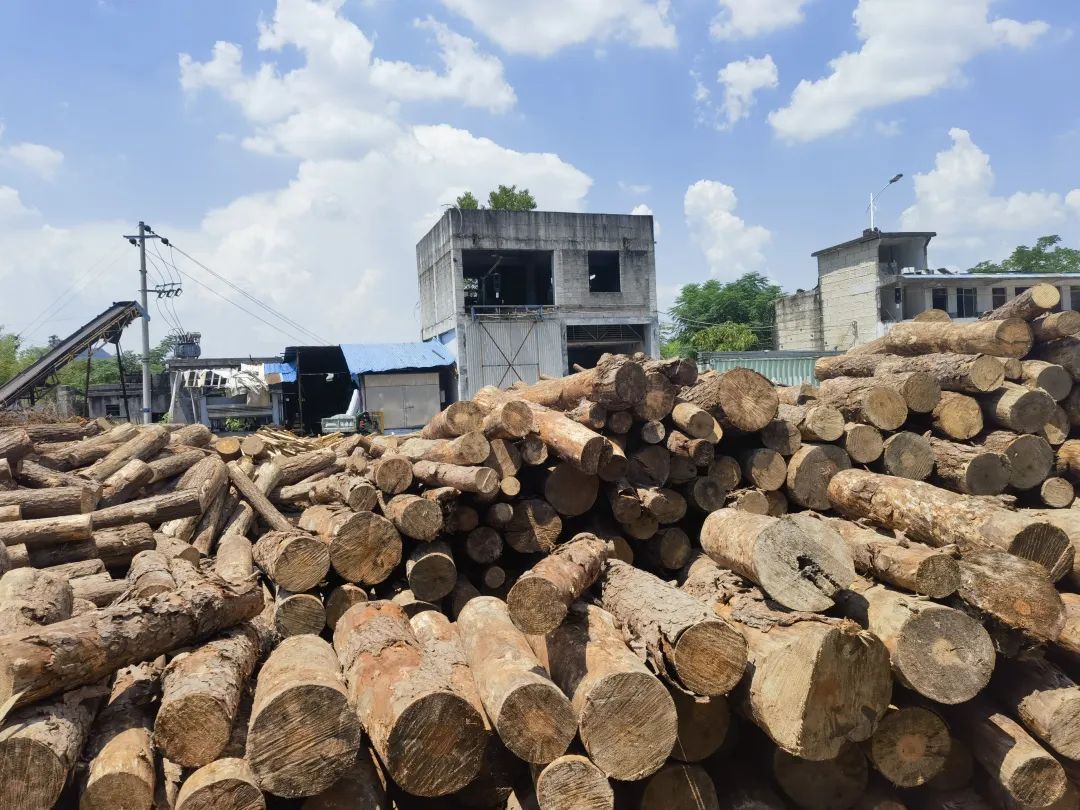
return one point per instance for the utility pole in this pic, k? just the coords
(146, 415)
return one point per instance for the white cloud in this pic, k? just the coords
(11, 204)
(634, 188)
(731, 246)
(888, 129)
(741, 19)
(642, 210)
(543, 27)
(741, 80)
(909, 50)
(37, 158)
(956, 199)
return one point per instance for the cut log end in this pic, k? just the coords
(707, 658)
(436, 722)
(536, 722)
(945, 655)
(910, 746)
(536, 605)
(936, 576)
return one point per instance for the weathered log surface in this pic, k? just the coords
(539, 599)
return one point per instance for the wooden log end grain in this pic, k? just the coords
(573, 780)
(297, 614)
(297, 561)
(864, 443)
(366, 549)
(224, 784)
(958, 416)
(1057, 493)
(907, 455)
(540, 598)
(748, 400)
(910, 746)
(340, 600)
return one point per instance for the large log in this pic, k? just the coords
(363, 546)
(937, 517)
(799, 568)
(970, 470)
(1014, 592)
(46, 531)
(101, 590)
(920, 391)
(1028, 305)
(51, 502)
(234, 561)
(1001, 338)
(258, 500)
(615, 382)
(414, 697)
(569, 490)
(1044, 698)
(864, 443)
(740, 398)
(815, 683)
(703, 725)
(533, 718)
(608, 685)
(303, 734)
(294, 560)
(298, 614)
(963, 373)
(957, 416)
(1016, 408)
(508, 420)
(816, 421)
(1050, 377)
(454, 420)
(693, 421)
(15, 443)
(84, 649)
(296, 468)
(147, 443)
(535, 526)
(910, 746)
(567, 781)
(481, 480)
(413, 516)
(115, 547)
(1055, 325)
(685, 641)
(1030, 457)
(808, 473)
(155, 510)
(224, 784)
(865, 400)
(149, 575)
(29, 597)
(1064, 352)
(658, 399)
(538, 601)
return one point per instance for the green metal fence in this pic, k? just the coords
(781, 367)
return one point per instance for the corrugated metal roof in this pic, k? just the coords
(369, 358)
(780, 367)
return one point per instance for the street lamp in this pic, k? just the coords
(873, 198)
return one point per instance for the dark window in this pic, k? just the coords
(1074, 298)
(604, 271)
(507, 277)
(1020, 290)
(998, 295)
(941, 298)
(965, 302)
(112, 409)
(898, 295)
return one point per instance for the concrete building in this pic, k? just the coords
(870, 283)
(519, 294)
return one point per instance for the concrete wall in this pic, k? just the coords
(850, 310)
(798, 321)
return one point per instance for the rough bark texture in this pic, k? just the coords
(865, 400)
(258, 500)
(363, 546)
(1014, 592)
(615, 382)
(1001, 338)
(52, 502)
(30, 597)
(114, 547)
(456, 419)
(235, 561)
(482, 480)
(1050, 377)
(686, 643)
(740, 398)
(149, 575)
(970, 470)
(1028, 305)
(957, 416)
(147, 443)
(1054, 325)
(1044, 698)
(920, 391)
(414, 516)
(413, 696)
(539, 599)
(963, 373)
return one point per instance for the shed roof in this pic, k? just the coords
(873, 235)
(370, 358)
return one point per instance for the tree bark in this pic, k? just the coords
(175, 463)
(1064, 352)
(363, 546)
(1016, 408)
(47, 531)
(865, 400)
(456, 419)
(535, 526)
(414, 516)
(534, 719)
(414, 696)
(1010, 337)
(303, 733)
(699, 451)
(149, 575)
(52, 502)
(84, 649)
(1055, 325)
(114, 547)
(508, 420)
(1013, 591)
(937, 517)
(685, 642)
(235, 560)
(1049, 377)
(1030, 457)
(808, 474)
(296, 561)
(126, 482)
(920, 390)
(539, 600)
(147, 443)
(740, 398)
(15, 443)
(615, 382)
(963, 373)
(99, 589)
(155, 510)
(30, 597)
(1030, 304)
(1044, 698)
(957, 416)
(910, 746)
(296, 468)
(258, 500)
(970, 470)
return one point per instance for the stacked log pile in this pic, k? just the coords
(635, 586)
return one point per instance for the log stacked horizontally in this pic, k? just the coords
(635, 586)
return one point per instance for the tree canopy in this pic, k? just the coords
(504, 198)
(1047, 256)
(722, 317)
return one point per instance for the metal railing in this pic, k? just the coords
(533, 312)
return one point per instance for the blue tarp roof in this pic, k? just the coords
(286, 370)
(369, 358)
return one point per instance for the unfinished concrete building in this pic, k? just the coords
(520, 294)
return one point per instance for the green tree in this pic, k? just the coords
(728, 313)
(509, 198)
(14, 358)
(1047, 256)
(467, 202)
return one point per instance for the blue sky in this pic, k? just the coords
(304, 154)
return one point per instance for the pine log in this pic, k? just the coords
(303, 733)
(910, 746)
(920, 391)
(414, 516)
(957, 416)
(296, 561)
(571, 491)
(100, 590)
(296, 468)
(1044, 698)
(623, 498)
(431, 571)
(1049, 377)
(258, 500)
(808, 475)
(1067, 461)
(363, 786)
(174, 463)
(147, 443)
(149, 575)
(391, 474)
(40, 744)
(685, 641)
(507, 420)
(939, 652)
(234, 561)
(297, 614)
(171, 547)
(626, 718)
(799, 568)
(15, 443)
(1010, 757)
(727, 471)
(538, 601)
(533, 450)
(970, 470)
(700, 451)
(206, 533)
(363, 546)
(84, 649)
(739, 398)
(1069, 638)
(224, 784)
(693, 421)
(681, 371)
(1010, 337)
(658, 399)
(1054, 325)
(615, 382)
(62, 431)
(815, 683)
(865, 400)
(1016, 408)
(830, 784)
(227, 447)
(1057, 493)
(666, 505)
(414, 697)
(1014, 592)
(704, 494)
(1030, 457)
(52, 502)
(764, 468)
(590, 414)
(1057, 427)
(503, 457)
(120, 751)
(1028, 305)
(667, 550)
(155, 510)
(937, 517)
(653, 432)
(816, 422)
(457, 418)
(678, 786)
(126, 482)
(1012, 368)
(703, 725)
(77, 569)
(535, 526)
(650, 466)
(115, 547)
(863, 443)
(46, 531)
(963, 373)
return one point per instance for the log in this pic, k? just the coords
(658, 399)
(414, 516)
(668, 550)
(685, 642)
(431, 571)
(456, 419)
(962, 373)
(149, 575)
(704, 494)
(535, 526)
(1044, 698)
(740, 398)
(147, 443)
(608, 684)
(937, 517)
(340, 600)
(653, 432)
(912, 566)
(699, 451)
(1055, 325)
(120, 751)
(816, 422)
(920, 391)
(86, 648)
(1009, 755)
(1057, 493)
(297, 614)
(650, 466)
(615, 382)
(172, 548)
(465, 450)
(666, 505)
(169, 466)
(970, 470)
(910, 746)
(727, 471)
(235, 560)
(748, 500)
(533, 450)
(258, 500)
(363, 786)
(503, 457)
(227, 447)
(77, 569)
(695, 422)
(764, 468)
(1030, 457)
(46, 531)
(126, 482)
(253, 446)
(303, 465)
(100, 590)
(155, 510)
(1064, 352)
(224, 784)
(681, 371)
(391, 474)
(1013, 591)
(1049, 377)
(863, 443)
(865, 400)
(678, 786)
(303, 734)
(208, 530)
(957, 416)
(51, 502)
(1010, 337)
(413, 696)
(620, 422)
(590, 414)
(703, 725)
(114, 547)
(938, 651)
(623, 498)
(815, 683)
(39, 745)
(1028, 305)
(571, 491)
(1069, 638)
(363, 546)
(15, 443)
(296, 561)
(31, 474)
(539, 600)
(571, 781)
(62, 431)
(800, 568)
(533, 718)
(1057, 427)
(29, 597)
(828, 784)
(957, 770)
(345, 489)
(508, 420)
(1016, 408)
